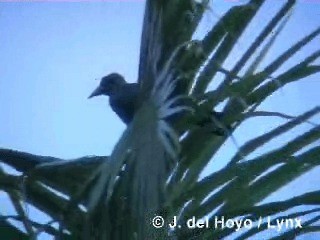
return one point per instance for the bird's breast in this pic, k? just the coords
(123, 106)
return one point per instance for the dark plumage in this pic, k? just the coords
(123, 96)
(123, 99)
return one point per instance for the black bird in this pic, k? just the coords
(123, 99)
(123, 96)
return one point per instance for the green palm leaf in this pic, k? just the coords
(156, 165)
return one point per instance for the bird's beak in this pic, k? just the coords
(96, 92)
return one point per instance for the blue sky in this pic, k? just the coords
(51, 54)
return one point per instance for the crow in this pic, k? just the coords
(123, 99)
(123, 96)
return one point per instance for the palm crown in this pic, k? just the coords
(155, 170)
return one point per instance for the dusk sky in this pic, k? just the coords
(51, 54)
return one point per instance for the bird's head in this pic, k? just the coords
(109, 85)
